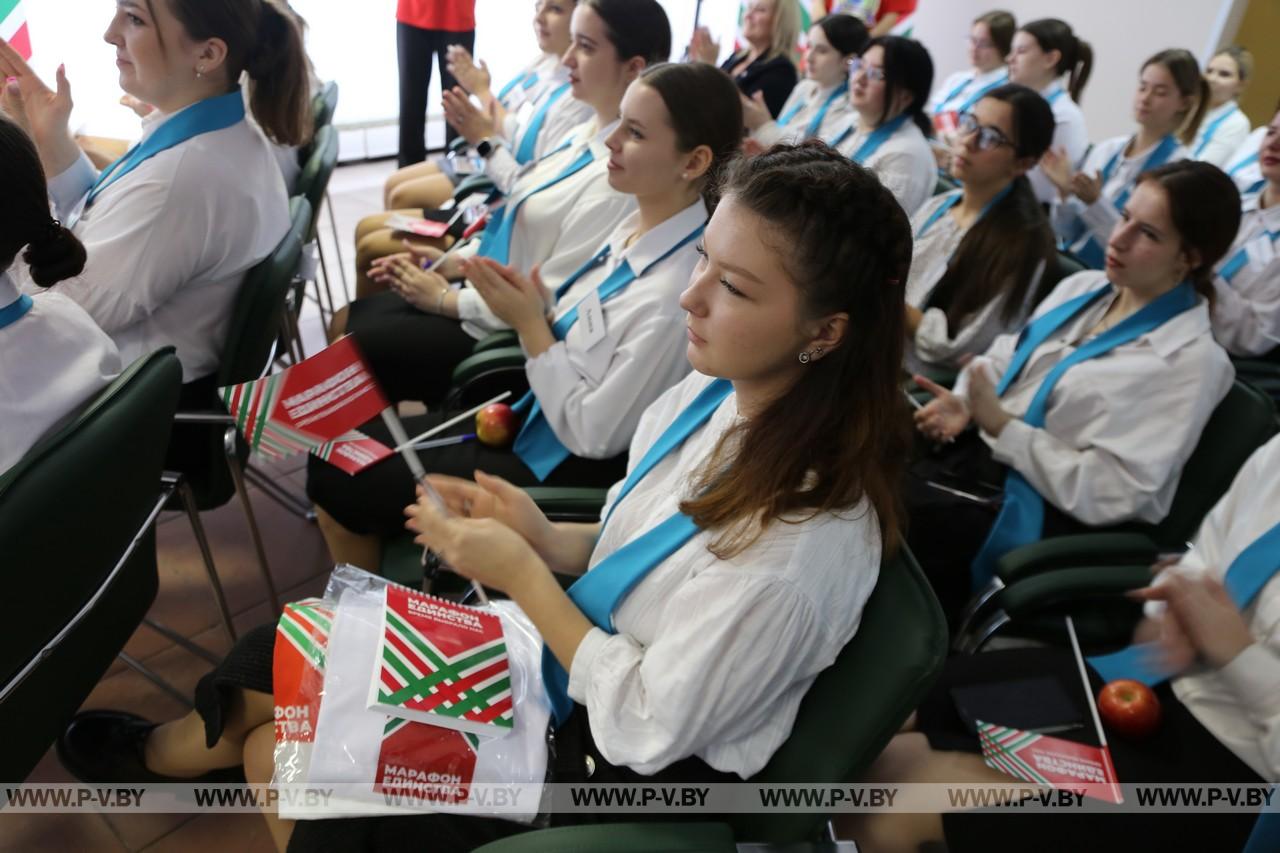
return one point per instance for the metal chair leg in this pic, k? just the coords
(197, 528)
(337, 244)
(150, 675)
(179, 640)
(237, 477)
(326, 292)
(287, 499)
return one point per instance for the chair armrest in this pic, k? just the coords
(1085, 549)
(472, 185)
(458, 146)
(486, 363)
(569, 503)
(1063, 586)
(621, 838)
(203, 418)
(495, 340)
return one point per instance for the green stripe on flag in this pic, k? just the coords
(313, 615)
(305, 643)
(434, 659)
(264, 411)
(7, 8)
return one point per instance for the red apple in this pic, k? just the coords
(497, 425)
(1129, 707)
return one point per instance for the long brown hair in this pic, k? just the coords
(999, 255)
(1204, 205)
(1075, 54)
(1185, 71)
(841, 432)
(263, 39)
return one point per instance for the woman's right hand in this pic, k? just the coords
(755, 114)
(43, 112)
(473, 77)
(703, 47)
(1056, 166)
(945, 416)
(493, 497)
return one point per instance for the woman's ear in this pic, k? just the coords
(211, 56)
(1193, 258)
(632, 67)
(697, 162)
(830, 333)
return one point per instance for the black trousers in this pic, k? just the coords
(414, 49)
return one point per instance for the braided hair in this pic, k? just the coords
(52, 252)
(841, 433)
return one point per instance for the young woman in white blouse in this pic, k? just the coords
(1042, 52)
(889, 131)
(819, 105)
(524, 121)
(1225, 125)
(418, 329)
(54, 357)
(1246, 287)
(763, 514)
(174, 226)
(981, 251)
(990, 40)
(589, 381)
(1089, 414)
(1218, 654)
(1168, 105)
(1243, 165)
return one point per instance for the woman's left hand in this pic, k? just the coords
(518, 301)
(754, 112)
(1087, 189)
(984, 403)
(480, 549)
(472, 123)
(1204, 614)
(420, 288)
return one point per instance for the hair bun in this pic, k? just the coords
(54, 254)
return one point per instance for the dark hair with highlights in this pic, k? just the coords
(840, 434)
(1204, 204)
(53, 252)
(264, 40)
(704, 108)
(1185, 71)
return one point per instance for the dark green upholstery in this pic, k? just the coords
(621, 838)
(317, 169)
(70, 511)
(472, 184)
(846, 719)
(494, 340)
(251, 341)
(1262, 372)
(945, 184)
(486, 374)
(324, 105)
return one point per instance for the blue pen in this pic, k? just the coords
(444, 442)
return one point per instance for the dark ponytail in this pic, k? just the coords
(264, 41)
(907, 67)
(705, 109)
(1075, 54)
(998, 257)
(53, 253)
(1185, 71)
(1204, 205)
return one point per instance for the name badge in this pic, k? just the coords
(1261, 252)
(591, 320)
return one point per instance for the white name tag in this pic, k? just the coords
(1261, 252)
(591, 320)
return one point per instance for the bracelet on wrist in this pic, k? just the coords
(444, 291)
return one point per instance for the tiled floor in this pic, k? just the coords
(299, 567)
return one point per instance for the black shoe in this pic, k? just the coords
(107, 746)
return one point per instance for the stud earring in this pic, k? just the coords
(200, 71)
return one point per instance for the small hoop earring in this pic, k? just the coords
(804, 358)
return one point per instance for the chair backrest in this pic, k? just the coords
(69, 510)
(1065, 264)
(1243, 422)
(856, 705)
(324, 105)
(260, 304)
(317, 169)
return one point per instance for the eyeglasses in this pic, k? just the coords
(980, 44)
(874, 74)
(988, 137)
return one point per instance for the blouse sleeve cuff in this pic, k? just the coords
(1254, 675)
(70, 185)
(471, 305)
(584, 660)
(1013, 445)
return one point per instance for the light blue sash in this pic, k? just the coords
(975, 97)
(815, 123)
(1212, 129)
(537, 444)
(529, 142)
(1240, 259)
(1246, 162)
(1021, 518)
(599, 592)
(1086, 247)
(496, 242)
(201, 117)
(15, 310)
(525, 79)
(1054, 95)
(953, 200)
(877, 138)
(1246, 576)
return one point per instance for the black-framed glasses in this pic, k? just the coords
(988, 137)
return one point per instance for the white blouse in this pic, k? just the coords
(1119, 427)
(170, 242)
(935, 342)
(1101, 217)
(561, 227)
(810, 97)
(904, 163)
(565, 114)
(1069, 134)
(963, 85)
(1246, 309)
(712, 657)
(1227, 137)
(593, 396)
(1240, 703)
(54, 360)
(1243, 165)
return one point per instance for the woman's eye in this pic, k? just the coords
(729, 287)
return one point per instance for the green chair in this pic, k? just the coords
(313, 184)
(846, 719)
(324, 105)
(219, 456)
(621, 838)
(1082, 575)
(1262, 372)
(78, 536)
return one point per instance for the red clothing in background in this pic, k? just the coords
(457, 16)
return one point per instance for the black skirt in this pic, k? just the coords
(1180, 751)
(574, 758)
